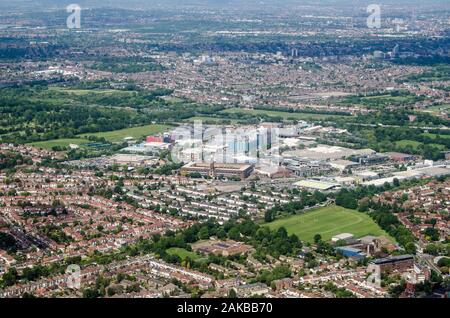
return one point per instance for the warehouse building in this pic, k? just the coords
(314, 185)
(351, 252)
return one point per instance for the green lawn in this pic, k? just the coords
(415, 144)
(412, 143)
(284, 115)
(182, 253)
(329, 221)
(135, 132)
(58, 142)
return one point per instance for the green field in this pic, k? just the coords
(58, 142)
(329, 221)
(441, 107)
(435, 135)
(284, 115)
(83, 92)
(212, 120)
(135, 132)
(415, 144)
(182, 253)
(112, 136)
(382, 101)
(412, 143)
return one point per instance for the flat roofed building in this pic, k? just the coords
(343, 164)
(401, 157)
(367, 175)
(326, 152)
(351, 252)
(154, 148)
(317, 185)
(434, 171)
(218, 169)
(399, 263)
(342, 237)
(134, 160)
(383, 181)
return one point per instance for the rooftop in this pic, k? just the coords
(393, 259)
(319, 185)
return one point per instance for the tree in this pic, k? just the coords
(10, 277)
(234, 233)
(363, 206)
(232, 293)
(269, 216)
(396, 182)
(111, 291)
(90, 293)
(410, 248)
(317, 238)
(203, 234)
(341, 243)
(221, 234)
(282, 233)
(432, 234)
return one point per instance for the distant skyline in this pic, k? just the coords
(224, 4)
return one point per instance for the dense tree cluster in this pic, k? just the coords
(279, 272)
(10, 160)
(307, 200)
(388, 221)
(8, 243)
(38, 113)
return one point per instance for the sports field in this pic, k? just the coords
(135, 132)
(59, 142)
(329, 221)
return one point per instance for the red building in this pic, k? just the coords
(154, 139)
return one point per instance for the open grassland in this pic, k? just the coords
(437, 109)
(135, 132)
(183, 253)
(416, 144)
(83, 92)
(329, 221)
(435, 135)
(112, 136)
(214, 120)
(282, 114)
(382, 101)
(59, 143)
